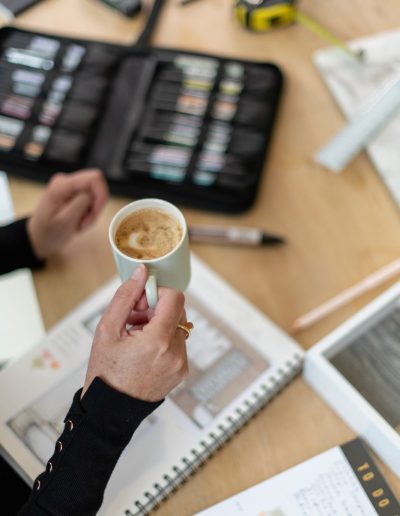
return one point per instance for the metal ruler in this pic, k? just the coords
(377, 112)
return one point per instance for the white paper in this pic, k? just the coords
(21, 323)
(322, 486)
(6, 204)
(352, 83)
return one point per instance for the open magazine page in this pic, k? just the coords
(237, 359)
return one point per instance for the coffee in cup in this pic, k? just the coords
(148, 234)
(153, 232)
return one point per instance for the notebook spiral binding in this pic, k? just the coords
(189, 466)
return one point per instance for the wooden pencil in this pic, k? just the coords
(370, 282)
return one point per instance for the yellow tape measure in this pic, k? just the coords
(262, 15)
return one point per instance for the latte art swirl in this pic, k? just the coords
(148, 234)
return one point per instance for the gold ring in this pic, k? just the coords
(187, 328)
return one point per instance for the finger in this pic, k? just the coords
(142, 304)
(181, 334)
(92, 180)
(94, 183)
(141, 312)
(64, 186)
(180, 341)
(134, 329)
(168, 311)
(99, 191)
(57, 191)
(74, 211)
(124, 300)
(136, 318)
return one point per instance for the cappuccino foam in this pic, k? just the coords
(148, 234)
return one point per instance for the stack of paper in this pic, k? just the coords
(21, 323)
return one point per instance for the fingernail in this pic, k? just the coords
(138, 272)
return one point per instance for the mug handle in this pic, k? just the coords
(151, 291)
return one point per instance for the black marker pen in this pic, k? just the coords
(233, 235)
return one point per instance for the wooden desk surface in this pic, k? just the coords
(339, 227)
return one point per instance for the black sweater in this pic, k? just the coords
(15, 247)
(97, 427)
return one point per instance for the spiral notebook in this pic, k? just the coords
(238, 361)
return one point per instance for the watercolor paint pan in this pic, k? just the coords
(186, 126)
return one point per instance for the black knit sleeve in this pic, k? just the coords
(16, 249)
(97, 429)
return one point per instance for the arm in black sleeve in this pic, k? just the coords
(97, 429)
(16, 249)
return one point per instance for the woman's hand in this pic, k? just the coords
(70, 204)
(136, 350)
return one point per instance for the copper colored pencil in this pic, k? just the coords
(373, 280)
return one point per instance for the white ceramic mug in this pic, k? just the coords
(171, 270)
